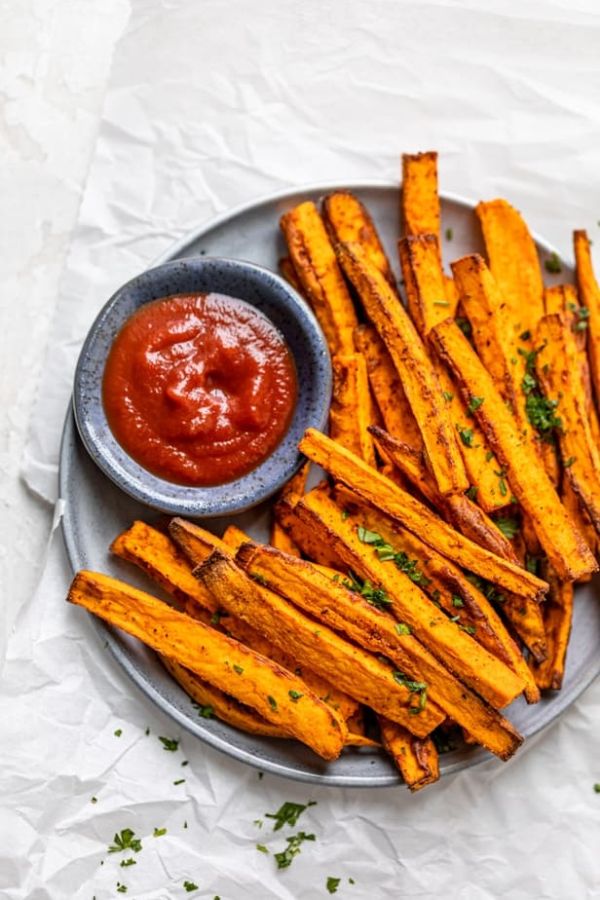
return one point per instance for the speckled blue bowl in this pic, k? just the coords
(287, 311)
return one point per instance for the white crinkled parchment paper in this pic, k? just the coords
(211, 104)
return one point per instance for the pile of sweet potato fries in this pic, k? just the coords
(428, 581)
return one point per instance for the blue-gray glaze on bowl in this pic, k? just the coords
(272, 296)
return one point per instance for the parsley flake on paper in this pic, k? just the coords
(285, 857)
(125, 840)
(288, 813)
(332, 884)
(170, 744)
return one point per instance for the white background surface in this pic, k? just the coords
(207, 105)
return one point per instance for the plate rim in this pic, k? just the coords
(69, 432)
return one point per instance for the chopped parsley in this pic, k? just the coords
(332, 884)
(128, 862)
(190, 886)
(217, 616)
(415, 687)
(474, 403)
(94, 800)
(470, 629)
(553, 264)
(466, 435)
(403, 628)
(345, 515)
(170, 744)
(126, 840)
(448, 397)
(118, 732)
(386, 553)
(597, 788)
(525, 336)
(489, 455)
(569, 462)
(541, 411)
(457, 602)
(582, 315)
(179, 781)
(286, 857)
(472, 492)
(238, 670)
(368, 537)
(272, 702)
(375, 596)
(509, 527)
(261, 848)
(205, 712)
(158, 832)
(121, 888)
(449, 234)
(289, 813)
(295, 695)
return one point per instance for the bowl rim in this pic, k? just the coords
(146, 487)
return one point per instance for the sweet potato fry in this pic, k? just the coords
(350, 411)
(565, 547)
(302, 536)
(371, 627)
(234, 537)
(503, 352)
(357, 672)
(514, 263)
(420, 200)
(319, 274)
(424, 281)
(286, 268)
(387, 388)
(557, 619)
(347, 219)
(556, 366)
(589, 296)
(417, 760)
(562, 298)
(195, 542)
(496, 343)
(221, 705)
(378, 491)
(215, 702)
(451, 295)
(446, 585)
(249, 677)
(159, 557)
(418, 377)
(280, 538)
(458, 509)
(580, 517)
(410, 462)
(454, 647)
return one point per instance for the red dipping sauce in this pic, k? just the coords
(199, 388)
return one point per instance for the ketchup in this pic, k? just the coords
(199, 388)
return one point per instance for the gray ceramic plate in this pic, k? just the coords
(96, 511)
